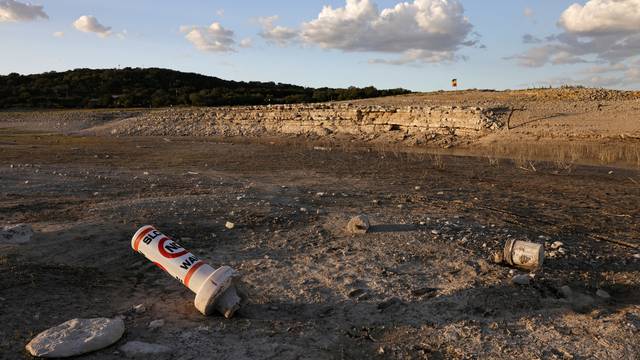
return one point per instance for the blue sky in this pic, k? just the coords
(478, 42)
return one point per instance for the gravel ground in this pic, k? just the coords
(419, 285)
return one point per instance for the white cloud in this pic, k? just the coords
(11, 10)
(214, 38)
(419, 56)
(276, 34)
(58, 34)
(422, 30)
(90, 24)
(599, 17)
(599, 32)
(220, 12)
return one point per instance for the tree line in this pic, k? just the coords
(153, 87)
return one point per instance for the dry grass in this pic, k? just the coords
(566, 155)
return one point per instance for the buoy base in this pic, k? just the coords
(219, 293)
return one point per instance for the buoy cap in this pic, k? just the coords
(219, 292)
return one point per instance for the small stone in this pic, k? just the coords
(603, 294)
(358, 225)
(155, 324)
(389, 303)
(431, 292)
(435, 232)
(566, 291)
(76, 337)
(521, 280)
(637, 256)
(16, 234)
(140, 309)
(556, 245)
(139, 348)
(304, 209)
(497, 257)
(417, 188)
(229, 225)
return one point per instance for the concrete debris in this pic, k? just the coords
(358, 225)
(16, 234)
(523, 254)
(139, 348)
(76, 337)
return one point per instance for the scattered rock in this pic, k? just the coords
(521, 280)
(16, 234)
(497, 257)
(155, 324)
(358, 225)
(603, 294)
(139, 348)
(140, 309)
(389, 303)
(229, 225)
(556, 245)
(431, 292)
(565, 291)
(76, 337)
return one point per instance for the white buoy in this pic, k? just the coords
(215, 289)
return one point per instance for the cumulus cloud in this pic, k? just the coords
(214, 38)
(89, 24)
(601, 17)
(13, 11)
(599, 32)
(58, 34)
(276, 34)
(422, 30)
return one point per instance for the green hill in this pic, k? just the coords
(153, 87)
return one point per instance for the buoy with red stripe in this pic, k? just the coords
(215, 289)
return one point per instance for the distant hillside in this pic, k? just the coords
(136, 87)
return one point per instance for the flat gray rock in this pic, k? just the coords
(16, 234)
(139, 348)
(76, 337)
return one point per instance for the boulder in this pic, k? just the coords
(76, 337)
